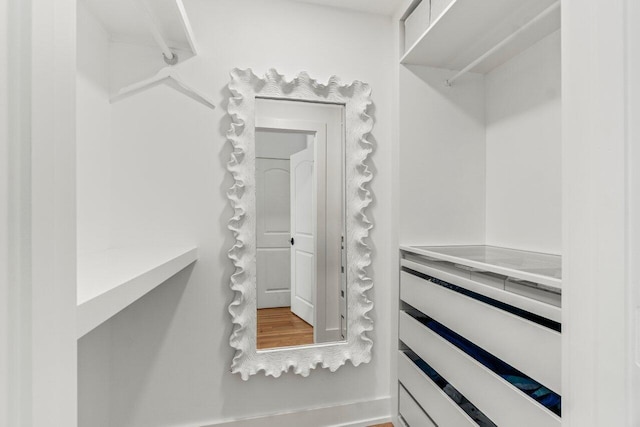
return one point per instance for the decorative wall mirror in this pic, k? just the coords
(301, 232)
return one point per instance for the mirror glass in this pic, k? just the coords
(300, 212)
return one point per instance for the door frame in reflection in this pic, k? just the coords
(319, 130)
(304, 240)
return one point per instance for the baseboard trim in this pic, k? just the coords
(356, 414)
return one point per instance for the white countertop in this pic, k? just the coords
(545, 269)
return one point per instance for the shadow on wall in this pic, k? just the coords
(145, 335)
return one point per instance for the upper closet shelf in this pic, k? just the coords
(536, 267)
(478, 36)
(111, 280)
(157, 22)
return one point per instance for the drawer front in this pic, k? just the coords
(411, 411)
(532, 292)
(527, 346)
(504, 404)
(542, 309)
(443, 410)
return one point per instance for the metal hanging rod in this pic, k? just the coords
(171, 77)
(497, 47)
(152, 23)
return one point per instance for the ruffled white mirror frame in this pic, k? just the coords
(245, 87)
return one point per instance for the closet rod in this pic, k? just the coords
(513, 35)
(152, 23)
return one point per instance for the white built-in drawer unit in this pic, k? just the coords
(510, 338)
(411, 411)
(474, 301)
(440, 407)
(499, 400)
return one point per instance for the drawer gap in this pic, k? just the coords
(531, 388)
(542, 321)
(454, 395)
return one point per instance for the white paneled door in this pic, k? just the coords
(303, 217)
(273, 222)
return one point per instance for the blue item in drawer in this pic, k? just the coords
(532, 388)
(471, 410)
(522, 383)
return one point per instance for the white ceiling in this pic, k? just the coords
(381, 7)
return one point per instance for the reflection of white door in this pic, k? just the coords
(303, 219)
(273, 222)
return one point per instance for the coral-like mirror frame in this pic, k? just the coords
(245, 86)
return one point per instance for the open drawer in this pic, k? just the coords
(443, 410)
(503, 403)
(532, 348)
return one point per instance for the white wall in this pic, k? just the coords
(5, 340)
(94, 377)
(632, 14)
(523, 138)
(37, 236)
(480, 161)
(171, 357)
(51, 260)
(93, 183)
(442, 158)
(93, 133)
(597, 189)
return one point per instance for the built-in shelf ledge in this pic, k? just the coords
(469, 29)
(545, 269)
(111, 280)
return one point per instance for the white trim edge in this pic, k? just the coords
(357, 414)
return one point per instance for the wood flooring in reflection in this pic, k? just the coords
(279, 327)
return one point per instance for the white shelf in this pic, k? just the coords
(130, 20)
(468, 29)
(110, 281)
(536, 267)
